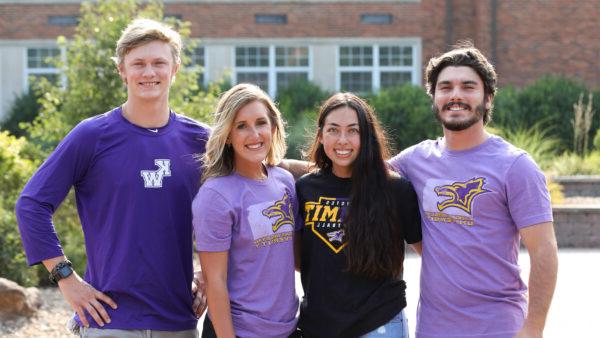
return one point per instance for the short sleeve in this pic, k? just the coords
(398, 163)
(213, 220)
(527, 193)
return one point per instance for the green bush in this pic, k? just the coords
(24, 108)
(538, 142)
(573, 164)
(17, 164)
(301, 134)
(406, 114)
(596, 141)
(299, 97)
(549, 101)
(299, 104)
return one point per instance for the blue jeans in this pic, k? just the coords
(395, 328)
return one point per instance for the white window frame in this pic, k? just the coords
(28, 72)
(376, 69)
(272, 69)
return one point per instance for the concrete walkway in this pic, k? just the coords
(574, 311)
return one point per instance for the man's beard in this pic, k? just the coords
(464, 124)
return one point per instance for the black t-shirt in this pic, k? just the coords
(338, 303)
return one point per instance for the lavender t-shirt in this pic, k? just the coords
(254, 221)
(473, 204)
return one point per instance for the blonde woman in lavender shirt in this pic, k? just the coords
(244, 221)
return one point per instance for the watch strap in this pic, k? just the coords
(61, 270)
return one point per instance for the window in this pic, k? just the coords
(198, 60)
(367, 68)
(376, 19)
(272, 67)
(39, 64)
(63, 20)
(270, 19)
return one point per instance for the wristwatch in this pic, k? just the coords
(61, 270)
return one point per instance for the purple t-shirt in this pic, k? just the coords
(254, 221)
(133, 188)
(473, 204)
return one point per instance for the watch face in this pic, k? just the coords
(65, 271)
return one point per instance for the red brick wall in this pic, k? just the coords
(551, 36)
(534, 37)
(30, 21)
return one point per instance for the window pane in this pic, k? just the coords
(252, 56)
(356, 56)
(357, 82)
(197, 57)
(395, 56)
(406, 57)
(391, 79)
(39, 57)
(291, 56)
(285, 79)
(259, 79)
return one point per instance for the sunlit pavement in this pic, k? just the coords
(575, 309)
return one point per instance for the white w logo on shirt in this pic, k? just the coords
(154, 178)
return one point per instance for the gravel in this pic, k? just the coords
(50, 321)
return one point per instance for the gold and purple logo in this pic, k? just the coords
(460, 194)
(325, 218)
(282, 210)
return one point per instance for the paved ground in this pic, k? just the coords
(574, 311)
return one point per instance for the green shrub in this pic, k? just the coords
(406, 114)
(537, 141)
(24, 108)
(549, 99)
(301, 134)
(299, 97)
(573, 164)
(596, 141)
(299, 104)
(17, 163)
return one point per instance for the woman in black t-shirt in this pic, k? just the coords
(357, 215)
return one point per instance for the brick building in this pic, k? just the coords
(338, 44)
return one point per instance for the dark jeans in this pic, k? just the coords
(208, 330)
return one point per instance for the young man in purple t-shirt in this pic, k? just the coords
(478, 194)
(135, 175)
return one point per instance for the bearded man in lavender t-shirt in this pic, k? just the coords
(478, 194)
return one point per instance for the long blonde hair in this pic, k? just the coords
(218, 158)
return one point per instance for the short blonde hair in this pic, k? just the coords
(142, 31)
(218, 158)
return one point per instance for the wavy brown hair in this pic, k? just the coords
(375, 243)
(464, 54)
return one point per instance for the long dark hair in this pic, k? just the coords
(375, 244)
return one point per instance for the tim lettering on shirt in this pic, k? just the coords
(154, 178)
(325, 219)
